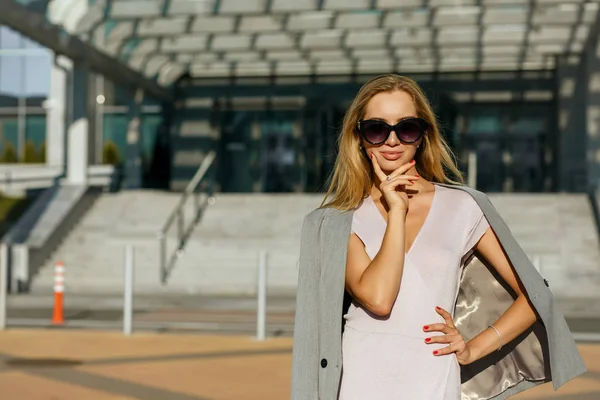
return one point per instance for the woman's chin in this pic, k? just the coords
(390, 166)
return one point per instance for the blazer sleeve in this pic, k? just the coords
(305, 371)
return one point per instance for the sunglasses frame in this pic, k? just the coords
(424, 126)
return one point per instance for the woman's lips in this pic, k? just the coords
(391, 155)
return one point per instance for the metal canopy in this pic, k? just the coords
(35, 26)
(164, 39)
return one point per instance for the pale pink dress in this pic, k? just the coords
(387, 358)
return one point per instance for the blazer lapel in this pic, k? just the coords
(334, 235)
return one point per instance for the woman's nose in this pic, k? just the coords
(392, 139)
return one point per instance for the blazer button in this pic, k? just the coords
(324, 363)
(546, 283)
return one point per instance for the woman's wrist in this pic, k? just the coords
(474, 353)
(397, 212)
(486, 342)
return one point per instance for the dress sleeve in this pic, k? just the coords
(477, 227)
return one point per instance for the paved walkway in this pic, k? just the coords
(88, 365)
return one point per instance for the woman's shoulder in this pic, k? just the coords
(461, 195)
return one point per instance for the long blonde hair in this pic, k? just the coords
(352, 176)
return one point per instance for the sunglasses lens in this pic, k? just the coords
(410, 131)
(375, 132)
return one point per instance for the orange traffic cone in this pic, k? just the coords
(58, 316)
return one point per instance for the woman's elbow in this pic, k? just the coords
(381, 308)
(373, 300)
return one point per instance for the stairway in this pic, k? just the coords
(93, 252)
(219, 258)
(557, 230)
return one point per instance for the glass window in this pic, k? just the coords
(484, 124)
(115, 133)
(150, 124)
(37, 74)
(528, 125)
(25, 68)
(35, 129)
(10, 39)
(115, 95)
(9, 134)
(11, 74)
(35, 137)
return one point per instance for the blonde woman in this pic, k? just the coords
(443, 304)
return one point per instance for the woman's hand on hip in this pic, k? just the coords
(393, 186)
(451, 336)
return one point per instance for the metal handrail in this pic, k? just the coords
(167, 262)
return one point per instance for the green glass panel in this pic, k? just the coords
(115, 131)
(9, 131)
(529, 125)
(9, 137)
(35, 136)
(115, 95)
(35, 129)
(150, 124)
(485, 124)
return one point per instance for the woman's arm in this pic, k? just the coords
(375, 284)
(517, 318)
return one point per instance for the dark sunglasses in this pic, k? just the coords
(408, 130)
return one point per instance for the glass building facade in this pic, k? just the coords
(24, 87)
(25, 95)
(267, 142)
(269, 96)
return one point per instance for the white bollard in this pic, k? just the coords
(261, 292)
(128, 291)
(472, 170)
(3, 284)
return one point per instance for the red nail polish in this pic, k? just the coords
(412, 162)
(437, 307)
(435, 353)
(426, 327)
(428, 340)
(417, 176)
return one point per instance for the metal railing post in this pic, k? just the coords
(167, 257)
(3, 284)
(180, 227)
(162, 255)
(196, 206)
(261, 292)
(128, 291)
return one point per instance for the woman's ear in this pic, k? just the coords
(363, 151)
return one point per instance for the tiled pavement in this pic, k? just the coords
(91, 365)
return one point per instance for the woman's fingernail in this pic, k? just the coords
(417, 176)
(412, 183)
(435, 353)
(428, 340)
(437, 308)
(426, 327)
(412, 162)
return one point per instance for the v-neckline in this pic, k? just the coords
(423, 225)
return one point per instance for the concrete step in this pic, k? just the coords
(556, 230)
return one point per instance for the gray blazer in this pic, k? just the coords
(545, 352)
